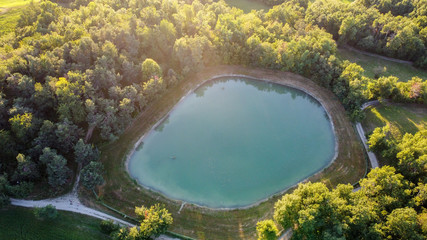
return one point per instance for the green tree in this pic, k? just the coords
(108, 226)
(4, 185)
(92, 175)
(67, 134)
(21, 124)
(8, 148)
(412, 155)
(377, 140)
(57, 169)
(386, 187)
(154, 221)
(26, 169)
(150, 69)
(402, 224)
(85, 153)
(46, 213)
(193, 53)
(266, 230)
(46, 137)
(69, 99)
(383, 88)
(313, 212)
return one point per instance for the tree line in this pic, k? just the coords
(390, 203)
(72, 77)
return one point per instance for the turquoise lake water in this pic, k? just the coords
(233, 142)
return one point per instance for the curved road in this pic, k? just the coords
(372, 158)
(70, 202)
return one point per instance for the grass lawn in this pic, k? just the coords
(20, 223)
(248, 5)
(122, 192)
(9, 19)
(10, 10)
(13, 3)
(402, 118)
(403, 71)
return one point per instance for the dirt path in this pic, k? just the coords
(69, 203)
(377, 55)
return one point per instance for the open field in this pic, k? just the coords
(122, 192)
(401, 70)
(402, 118)
(5, 4)
(10, 11)
(248, 5)
(20, 223)
(9, 19)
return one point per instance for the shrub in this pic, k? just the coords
(21, 190)
(46, 213)
(108, 227)
(4, 200)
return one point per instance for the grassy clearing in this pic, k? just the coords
(402, 118)
(122, 192)
(14, 3)
(248, 5)
(9, 19)
(10, 10)
(20, 223)
(403, 71)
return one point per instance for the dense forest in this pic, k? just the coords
(75, 73)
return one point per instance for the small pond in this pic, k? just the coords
(233, 142)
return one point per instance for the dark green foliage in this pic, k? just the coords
(4, 200)
(108, 227)
(21, 190)
(26, 170)
(67, 134)
(4, 185)
(56, 167)
(85, 153)
(46, 213)
(122, 234)
(91, 175)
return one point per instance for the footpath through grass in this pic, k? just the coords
(371, 64)
(401, 119)
(122, 192)
(20, 223)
